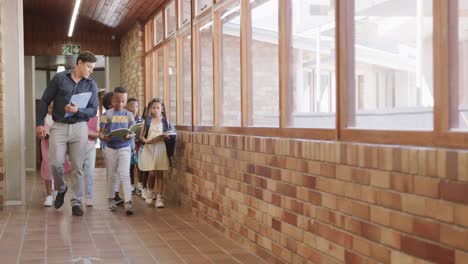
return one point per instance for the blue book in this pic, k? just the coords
(81, 100)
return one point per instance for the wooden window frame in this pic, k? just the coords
(445, 80)
(203, 13)
(160, 13)
(180, 12)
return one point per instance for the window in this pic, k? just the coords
(158, 29)
(313, 61)
(186, 78)
(265, 73)
(160, 62)
(148, 79)
(172, 72)
(154, 75)
(231, 76)
(459, 93)
(170, 19)
(201, 6)
(393, 65)
(149, 35)
(185, 12)
(206, 72)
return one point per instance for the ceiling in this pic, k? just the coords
(117, 15)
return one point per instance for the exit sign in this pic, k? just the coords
(70, 49)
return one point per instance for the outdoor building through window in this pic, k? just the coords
(393, 86)
(265, 70)
(313, 59)
(459, 93)
(231, 92)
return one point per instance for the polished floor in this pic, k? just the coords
(34, 234)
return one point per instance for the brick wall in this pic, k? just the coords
(2, 168)
(132, 63)
(328, 202)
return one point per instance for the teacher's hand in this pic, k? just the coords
(71, 108)
(40, 132)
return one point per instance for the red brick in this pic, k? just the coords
(401, 182)
(308, 181)
(454, 191)
(289, 218)
(353, 258)
(360, 176)
(315, 198)
(426, 229)
(388, 199)
(286, 189)
(452, 164)
(454, 236)
(427, 251)
(328, 170)
(276, 224)
(426, 186)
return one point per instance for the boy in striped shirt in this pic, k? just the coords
(118, 150)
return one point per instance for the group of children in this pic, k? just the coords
(147, 154)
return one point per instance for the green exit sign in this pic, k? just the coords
(70, 49)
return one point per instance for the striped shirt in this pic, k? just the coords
(113, 120)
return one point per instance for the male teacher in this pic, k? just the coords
(69, 132)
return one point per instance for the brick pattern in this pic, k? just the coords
(132, 63)
(2, 168)
(294, 200)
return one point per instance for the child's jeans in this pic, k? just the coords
(118, 168)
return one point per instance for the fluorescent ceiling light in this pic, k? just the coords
(73, 19)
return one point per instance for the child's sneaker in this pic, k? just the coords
(133, 190)
(144, 193)
(159, 201)
(128, 207)
(117, 199)
(112, 204)
(149, 197)
(89, 202)
(140, 187)
(48, 201)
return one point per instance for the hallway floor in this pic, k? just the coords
(35, 234)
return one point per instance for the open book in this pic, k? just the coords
(167, 133)
(123, 132)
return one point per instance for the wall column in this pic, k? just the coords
(13, 107)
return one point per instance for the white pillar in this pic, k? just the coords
(13, 108)
(30, 112)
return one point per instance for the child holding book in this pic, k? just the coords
(132, 106)
(118, 149)
(159, 138)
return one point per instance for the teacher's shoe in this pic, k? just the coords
(59, 198)
(77, 211)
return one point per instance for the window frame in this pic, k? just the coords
(440, 136)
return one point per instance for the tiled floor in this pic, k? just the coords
(34, 234)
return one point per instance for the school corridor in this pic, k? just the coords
(35, 234)
(307, 131)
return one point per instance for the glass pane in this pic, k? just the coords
(187, 77)
(160, 73)
(393, 65)
(172, 72)
(206, 73)
(185, 12)
(201, 5)
(154, 75)
(170, 19)
(158, 28)
(231, 108)
(459, 96)
(265, 81)
(148, 79)
(313, 51)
